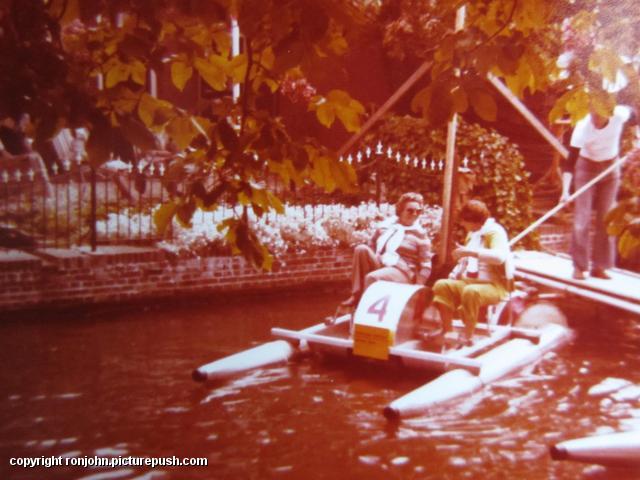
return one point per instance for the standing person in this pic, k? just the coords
(483, 273)
(398, 252)
(595, 146)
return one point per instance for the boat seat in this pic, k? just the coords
(504, 312)
(491, 314)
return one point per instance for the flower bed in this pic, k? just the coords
(298, 229)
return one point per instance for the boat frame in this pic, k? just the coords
(383, 329)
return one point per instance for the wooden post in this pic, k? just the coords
(449, 190)
(391, 101)
(450, 176)
(530, 117)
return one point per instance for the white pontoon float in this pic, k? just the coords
(382, 329)
(614, 449)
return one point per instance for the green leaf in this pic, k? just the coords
(184, 213)
(606, 62)
(628, 245)
(484, 105)
(153, 111)
(577, 105)
(119, 72)
(460, 100)
(213, 71)
(339, 103)
(344, 176)
(137, 134)
(138, 72)
(321, 172)
(181, 72)
(441, 105)
(163, 215)
(182, 131)
(237, 68)
(275, 202)
(559, 108)
(337, 43)
(421, 101)
(326, 114)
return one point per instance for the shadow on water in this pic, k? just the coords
(117, 382)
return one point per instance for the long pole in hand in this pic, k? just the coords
(571, 198)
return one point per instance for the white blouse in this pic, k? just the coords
(600, 144)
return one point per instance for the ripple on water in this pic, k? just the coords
(282, 469)
(369, 459)
(49, 442)
(68, 396)
(255, 378)
(399, 461)
(177, 409)
(71, 454)
(152, 475)
(458, 461)
(125, 472)
(119, 449)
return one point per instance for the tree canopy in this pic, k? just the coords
(72, 63)
(87, 63)
(572, 50)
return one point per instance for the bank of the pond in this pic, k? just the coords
(70, 278)
(60, 278)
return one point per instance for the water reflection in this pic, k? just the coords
(118, 383)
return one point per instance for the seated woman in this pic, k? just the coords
(400, 251)
(482, 275)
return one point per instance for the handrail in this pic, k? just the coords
(571, 198)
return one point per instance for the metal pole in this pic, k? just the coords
(93, 220)
(575, 195)
(378, 178)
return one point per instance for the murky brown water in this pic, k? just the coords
(118, 383)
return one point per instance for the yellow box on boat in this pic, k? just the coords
(372, 342)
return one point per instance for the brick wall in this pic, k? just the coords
(555, 238)
(121, 274)
(65, 278)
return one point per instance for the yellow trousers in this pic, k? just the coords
(467, 298)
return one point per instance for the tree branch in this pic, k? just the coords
(501, 29)
(63, 10)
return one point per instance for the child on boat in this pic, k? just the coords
(483, 274)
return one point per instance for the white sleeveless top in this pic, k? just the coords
(600, 144)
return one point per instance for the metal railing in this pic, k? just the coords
(76, 205)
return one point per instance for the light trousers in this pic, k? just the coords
(467, 298)
(368, 269)
(598, 198)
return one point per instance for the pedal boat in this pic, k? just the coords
(382, 329)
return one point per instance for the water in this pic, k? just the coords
(117, 383)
